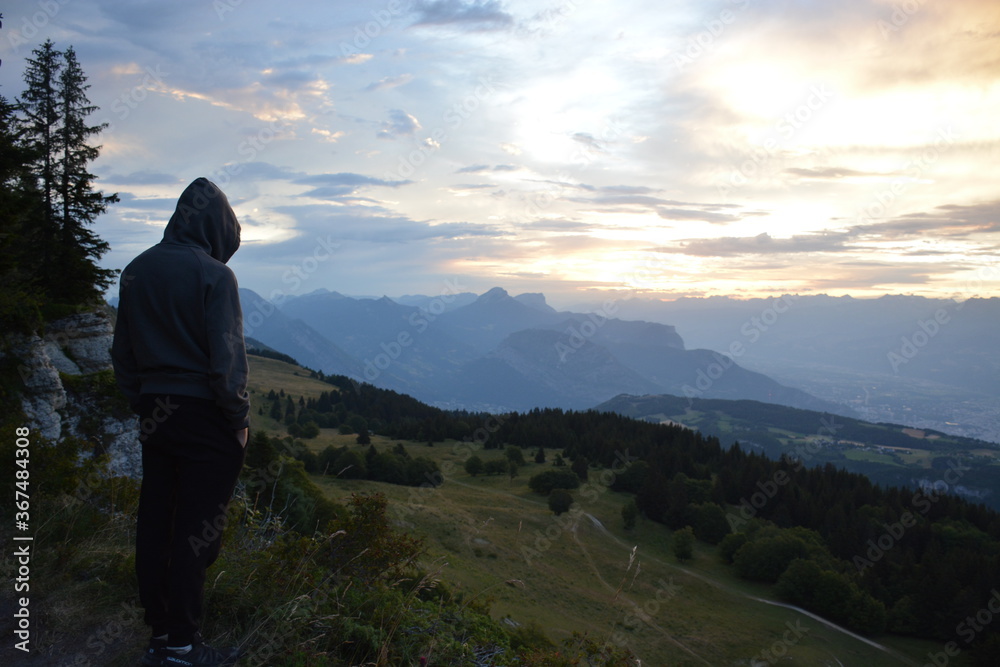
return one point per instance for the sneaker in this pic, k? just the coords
(155, 653)
(201, 655)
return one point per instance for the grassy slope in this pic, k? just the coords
(479, 533)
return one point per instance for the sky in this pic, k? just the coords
(579, 148)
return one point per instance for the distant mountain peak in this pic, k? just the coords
(535, 300)
(494, 295)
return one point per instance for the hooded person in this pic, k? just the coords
(180, 359)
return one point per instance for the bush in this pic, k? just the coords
(630, 512)
(473, 465)
(684, 543)
(496, 467)
(710, 523)
(560, 501)
(544, 482)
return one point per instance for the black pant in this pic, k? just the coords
(190, 462)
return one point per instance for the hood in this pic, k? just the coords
(204, 218)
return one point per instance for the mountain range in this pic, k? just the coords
(495, 351)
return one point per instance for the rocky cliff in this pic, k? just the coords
(67, 388)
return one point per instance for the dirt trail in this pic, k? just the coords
(833, 626)
(646, 618)
(708, 580)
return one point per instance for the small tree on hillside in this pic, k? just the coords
(684, 543)
(560, 501)
(514, 455)
(629, 514)
(473, 465)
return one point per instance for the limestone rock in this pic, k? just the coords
(78, 346)
(85, 338)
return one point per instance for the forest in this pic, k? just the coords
(48, 198)
(903, 561)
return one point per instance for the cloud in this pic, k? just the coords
(628, 189)
(588, 140)
(388, 82)
(477, 14)
(399, 123)
(347, 178)
(478, 168)
(358, 224)
(831, 173)
(633, 199)
(697, 214)
(329, 136)
(143, 177)
(470, 186)
(549, 225)
(949, 221)
(762, 244)
(131, 201)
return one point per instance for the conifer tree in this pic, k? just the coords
(40, 107)
(20, 296)
(56, 134)
(79, 247)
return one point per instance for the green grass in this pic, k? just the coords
(865, 455)
(267, 374)
(496, 541)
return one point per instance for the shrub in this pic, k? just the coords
(544, 482)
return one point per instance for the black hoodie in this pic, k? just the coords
(180, 325)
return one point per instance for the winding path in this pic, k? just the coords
(708, 580)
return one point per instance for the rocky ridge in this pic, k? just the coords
(68, 387)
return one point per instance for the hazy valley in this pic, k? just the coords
(909, 360)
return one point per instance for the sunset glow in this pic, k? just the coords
(749, 148)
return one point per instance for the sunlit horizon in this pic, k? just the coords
(576, 149)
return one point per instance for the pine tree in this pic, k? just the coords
(80, 203)
(55, 109)
(40, 106)
(20, 296)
